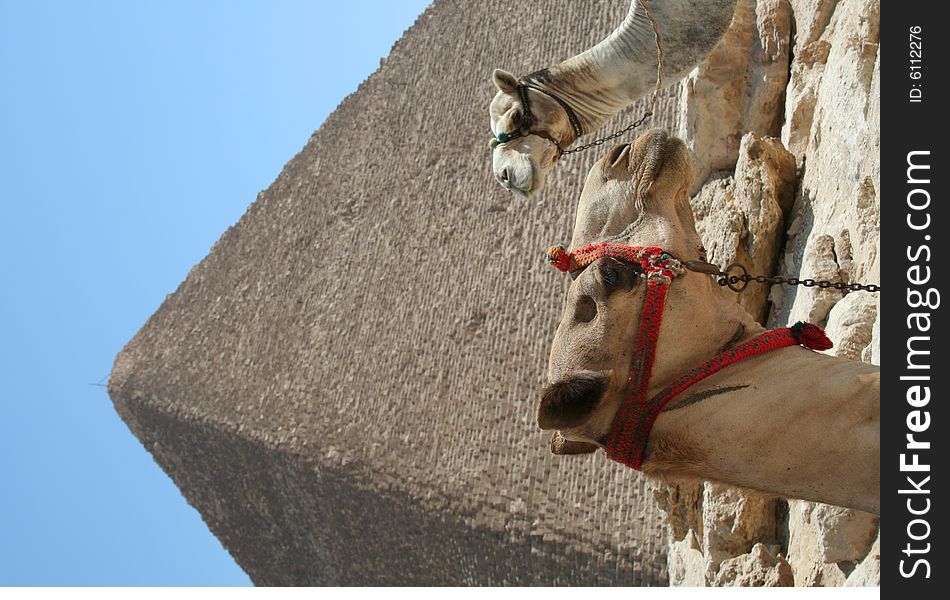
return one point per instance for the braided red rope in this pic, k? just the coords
(633, 415)
(653, 259)
(630, 429)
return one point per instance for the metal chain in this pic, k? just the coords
(612, 136)
(732, 281)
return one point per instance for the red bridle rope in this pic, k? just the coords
(630, 430)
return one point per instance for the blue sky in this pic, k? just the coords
(132, 134)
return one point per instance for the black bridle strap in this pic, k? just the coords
(523, 87)
(527, 119)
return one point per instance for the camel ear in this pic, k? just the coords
(570, 402)
(504, 81)
(616, 154)
(561, 445)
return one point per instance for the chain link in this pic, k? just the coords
(612, 136)
(733, 281)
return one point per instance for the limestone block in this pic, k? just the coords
(683, 506)
(742, 218)
(804, 555)
(845, 534)
(810, 54)
(761, 567)
(687, 564)
(850, 325)
(714, 528)
(810, 304)
(827, 542)
(868, 571)
(733, 521)
(740, 88)
(872, 353)
(837, 208)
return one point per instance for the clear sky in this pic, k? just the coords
(132, 134)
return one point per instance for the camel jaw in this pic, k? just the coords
(563, 446)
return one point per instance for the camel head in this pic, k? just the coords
(636, 195)
(521, 163)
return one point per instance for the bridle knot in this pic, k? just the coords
(656, 262)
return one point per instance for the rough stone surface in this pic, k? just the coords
(837, 209)
(687, 564)
(683, 507)
(344, 388)
(827, 543)
(826, 227)
(761, 567)
(810, 55)
(741, 217)
(850, 325)
(734, 521)
(868, 571)
(720, 535)
(739, 89)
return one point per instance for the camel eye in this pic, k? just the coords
(609, 275)
(516, 119)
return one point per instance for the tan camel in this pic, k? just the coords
(791, 422)
(597, 84)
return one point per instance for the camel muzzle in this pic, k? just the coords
(569, 402)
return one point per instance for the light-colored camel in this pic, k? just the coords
(598, 83)
(791, 422)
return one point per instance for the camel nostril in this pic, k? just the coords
(569, 403)
(505, 176)
(585, 310)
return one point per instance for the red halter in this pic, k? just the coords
(633, 422)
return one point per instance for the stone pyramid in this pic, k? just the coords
(344, 387)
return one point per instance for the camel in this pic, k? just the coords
(579, 95)
(789, 422)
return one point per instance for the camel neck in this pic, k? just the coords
(622, 68)
(632, 424)
(793, 422)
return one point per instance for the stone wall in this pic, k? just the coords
(344, 388)
(784, 121)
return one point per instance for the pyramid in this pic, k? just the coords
(344, 388)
